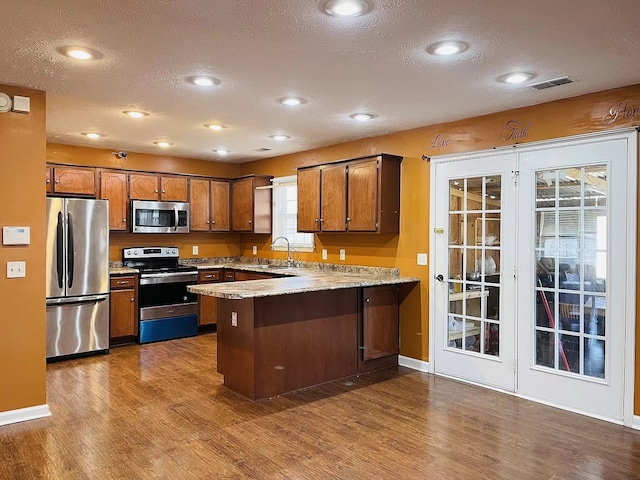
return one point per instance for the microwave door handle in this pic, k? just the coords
(176, 217)
(60, 249)
(70, 255)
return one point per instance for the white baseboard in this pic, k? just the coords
(24, 414)
(635, 422)
(413, 363)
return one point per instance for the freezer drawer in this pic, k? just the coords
(77, 326)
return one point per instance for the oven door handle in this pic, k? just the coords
(176, 217)
(153, 278)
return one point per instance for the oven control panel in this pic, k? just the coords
(150, 252)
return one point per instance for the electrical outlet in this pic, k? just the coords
(234, 319)
(422, 259)
(343, 254)
(194, 249)
(255, 249)
(324, 253)
(16, 269)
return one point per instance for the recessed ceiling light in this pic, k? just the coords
(346, 8)
(215, 126)
(515, 78)
(93, 135)
(135, 113)
(447, 48)
(80, 53)
(362, 117)
(203, 81)
(163, 144)
(292, 101)
(222, 151)
(279, 137)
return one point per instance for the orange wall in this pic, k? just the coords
(209, 245)
(573, 116)
(22, 196)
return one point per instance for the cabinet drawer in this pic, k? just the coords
(123, 282)
(209, 276)
(229, 276)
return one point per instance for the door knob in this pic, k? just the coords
(440, 278)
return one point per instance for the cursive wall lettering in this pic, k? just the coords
(515, 130)
(620, 110)
(439, 142)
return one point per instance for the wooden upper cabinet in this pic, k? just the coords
(334, 198)
(48, 180)
(155, 187)
(74, 181)
(359, 195)
(173, 189)
(220, 212)
(309, 199)
(144, 187)
(251, 208)
(209, 201)
(362, 209)
(113, 187)
(199, 205)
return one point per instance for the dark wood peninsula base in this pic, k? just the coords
(284, 343)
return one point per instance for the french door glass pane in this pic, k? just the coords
(474, 265)
(571, 257)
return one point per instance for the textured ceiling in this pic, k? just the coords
(263, 50)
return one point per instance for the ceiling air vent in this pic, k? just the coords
(554, 82)
(262, 149)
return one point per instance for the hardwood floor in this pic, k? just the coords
(160, 411)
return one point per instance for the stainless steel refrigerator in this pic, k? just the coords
(77, 273)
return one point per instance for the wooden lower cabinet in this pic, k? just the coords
(379, 328)
(124, 309)
(208, 306)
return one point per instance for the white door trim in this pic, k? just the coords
(631, 135)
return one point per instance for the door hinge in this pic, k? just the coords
(515, 174)
(515, 272)
(378, 165)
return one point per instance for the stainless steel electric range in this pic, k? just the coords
(167, 309)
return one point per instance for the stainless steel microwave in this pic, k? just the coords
(159, 217)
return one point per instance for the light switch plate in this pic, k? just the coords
(324, 253)
(343, 254)
(422, 259)
(255, 249)
(234, 319)
(194, 250)
(16, 269)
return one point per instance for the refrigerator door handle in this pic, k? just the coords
(60, 250)
(70, 255)
(84, 299)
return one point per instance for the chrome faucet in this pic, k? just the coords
(289, 260)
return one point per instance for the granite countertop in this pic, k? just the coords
(309, 277)
(298, 280)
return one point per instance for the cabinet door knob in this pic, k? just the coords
(156, 191)
(133, 299)
(124, 219)
(57, 181)
(249, 222)
(348, 219)
(214, 222)
(317, 220)
(48, 181)
(164, 191)
(368, 300)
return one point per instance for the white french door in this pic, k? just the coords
(573, 274)
(474, 295)
(533, 266)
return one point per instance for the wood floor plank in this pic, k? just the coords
(160, 411)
